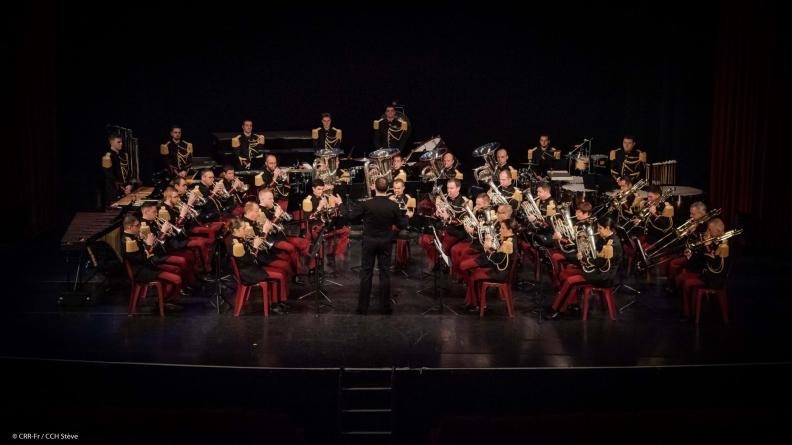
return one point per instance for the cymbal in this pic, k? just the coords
(528, 163)
(357, 159)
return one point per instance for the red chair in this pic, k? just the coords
(141, 289)
(723, 301)
(605, 292)
(504, 291)
(243, 291)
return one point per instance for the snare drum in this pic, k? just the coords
(576, 193)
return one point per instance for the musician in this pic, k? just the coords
(452, 215)
(212, 193)
(568, 247)
(261, 227)
(248, 147)
(601, 271)
(698, 210)
(471, 247)
(246, 251)
(708, 265)
(115, 164)
(321, 210)
(626, 207)
(171, 250)
(379, 215)
(146, 266)
(406, 203)
(492, 264)
(177, 213)
(660, 218)
(233, 187)
(502, 158)
(391, 131)
(542, 228)
(397, 168)
(273, 178)
(198, 226)
(544, 154)
(507, 188)
(295, 247)
(326, 136)
(628, 161)
(177, 153)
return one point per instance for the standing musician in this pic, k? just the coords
(600, 271)
(326, 136)
(628, 161)
(507, 189)
(273, 178)
(246, 250)
(177, 153)
(502, 159)
(544, 154)
(115, 165)
(379, 215)
(248, 147)
(406, 205)
(146, 266)
(391, 131)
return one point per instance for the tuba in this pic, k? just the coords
(325, 165)
(378, 165)
(489, 170)
(433, 167)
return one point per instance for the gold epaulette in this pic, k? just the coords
(723, 250)
(637, 201)
(189, 148)
(164, 213)
(517, 196)
(338, 133)
(556, 154)
(513, 172)
(613, 154)
(235, 142)
(459, 175)
(668, 211)
(642, 156)
(315, 133)
(197, 191)
(260, 139)
(402, 175)
(345, 176)
(307, 205)
(239, 249)
(403, 125)
(131, 245)
(607, 250)
(551, 206)
(164, 149)
(531, 153)
(107, 161)
(259, 179)
(410, 202)
(506, 247)
(376, 124)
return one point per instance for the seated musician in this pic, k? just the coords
(708, 264)
(406, 205)
(321, 210)
(600, 268)
(248, 147)
(115, 165)
(233, 187)
(492, 264)
(660, 217)
(507, 189)
(695, 232)
(171, 250)
(212, 192)
(449, 171)
(177, 153)
(296, 247)
(628, 203)
(261, 227)
(543, 230)
(246, 251)
(544, 154)
(179, 214)
(451, 210)
(273, 178)
(470, 246)
(397, 168)
(567, 248)
(197, 225)
(502, 159)
(146, 266)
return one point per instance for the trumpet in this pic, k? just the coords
(199, 198)
(285, 216)
(240, 186)
(192, 213)
(172, 229)
(496, 197)
(221, 192)
(265, 244)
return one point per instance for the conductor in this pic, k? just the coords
(379, 215)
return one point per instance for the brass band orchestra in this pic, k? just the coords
(500, 222)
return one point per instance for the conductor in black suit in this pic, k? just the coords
(379, 215)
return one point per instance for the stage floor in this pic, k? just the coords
(650, 333)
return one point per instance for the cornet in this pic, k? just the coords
(221, 192)
(285, 216)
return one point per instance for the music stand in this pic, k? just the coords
(215, 299)
(636, 245)
(441, 256)
(317, 253)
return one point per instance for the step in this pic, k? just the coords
(365, 398)
(367, 420)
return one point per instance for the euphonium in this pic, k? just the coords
(529, 206)
(496, 197)
(587, 247)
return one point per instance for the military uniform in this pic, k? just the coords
(656, 226)
(177, 155)
(391, 134)
(544, 157)
(249, 150)
(513, 194)
(399, 173)
(628, 165)
(322, 138)
(280, 188)
(116, 173)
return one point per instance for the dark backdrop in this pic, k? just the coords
(469, 75)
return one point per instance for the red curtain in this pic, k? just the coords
(750, 169)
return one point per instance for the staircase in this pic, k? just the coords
(365, 406)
